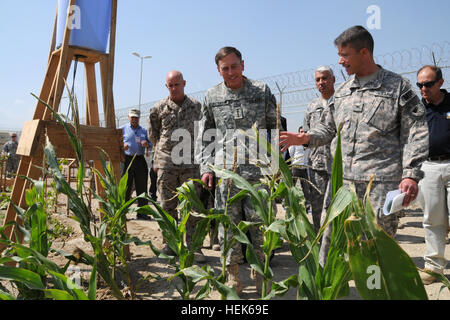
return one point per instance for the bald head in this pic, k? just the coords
(174, 74)
(175, 83)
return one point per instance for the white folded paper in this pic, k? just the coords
(394, 202)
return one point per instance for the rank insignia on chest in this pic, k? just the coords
(238, 113)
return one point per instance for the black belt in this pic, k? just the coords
(439, 158)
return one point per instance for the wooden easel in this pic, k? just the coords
(92, 135)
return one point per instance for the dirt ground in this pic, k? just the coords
(144, 263)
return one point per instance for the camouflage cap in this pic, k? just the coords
(134, 113)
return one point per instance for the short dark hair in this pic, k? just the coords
(437, 71)
(226, 51)
(357, 37)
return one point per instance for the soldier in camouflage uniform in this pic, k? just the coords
(171, 120)
(10, 149)
(320, 160)
(236, 104)
(384, 130)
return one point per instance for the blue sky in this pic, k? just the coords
(275, 37)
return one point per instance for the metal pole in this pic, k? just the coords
(140, 84)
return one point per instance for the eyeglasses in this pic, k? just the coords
(428, 84)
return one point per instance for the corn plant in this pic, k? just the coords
(35, 276)
(263, 204)
(349, 256)
(190, 203)
(174, 234)
(357, 243)
(108, 239)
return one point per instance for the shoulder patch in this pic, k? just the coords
(153, 115)
(418, 110)
(406, 97)
(412, 103)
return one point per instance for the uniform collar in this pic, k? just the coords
(372, 84)
(137, 128)
(173, 106)
(241, 89)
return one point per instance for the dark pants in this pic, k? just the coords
(137, 174)
(153, 184)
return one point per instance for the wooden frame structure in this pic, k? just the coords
(92, 135)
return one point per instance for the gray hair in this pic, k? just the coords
(323, 69)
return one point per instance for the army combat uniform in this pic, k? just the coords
(226, 112)
(384, 132)
(172, 134)
(10, 148)
(320, 161)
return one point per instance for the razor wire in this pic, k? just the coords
(299, 86)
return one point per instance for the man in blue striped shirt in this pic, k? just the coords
(135, 140)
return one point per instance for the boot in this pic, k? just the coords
(167, 250)
(428, 278)
(233, 278)
(199, 257)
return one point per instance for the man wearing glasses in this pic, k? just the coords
(436, 183)
(384, 129)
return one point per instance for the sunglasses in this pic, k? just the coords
(428, 84)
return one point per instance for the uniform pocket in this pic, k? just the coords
(168, 120)
(382, 114)
(223, 116)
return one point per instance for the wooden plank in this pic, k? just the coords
(92, 138)
(15, 195)
(29, 137)
(53, 41)
(64, 66)
(104, 65)
(88, 55)
(34, 172)
(49, 79)
(110, 116)
(91, 95)
(59, 83)
(27, 167)
(93, 116)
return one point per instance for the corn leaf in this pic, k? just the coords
(92, 293)
(28, 278)
(70, 287)
(394, 275)
(57, 294)
(6, 296)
